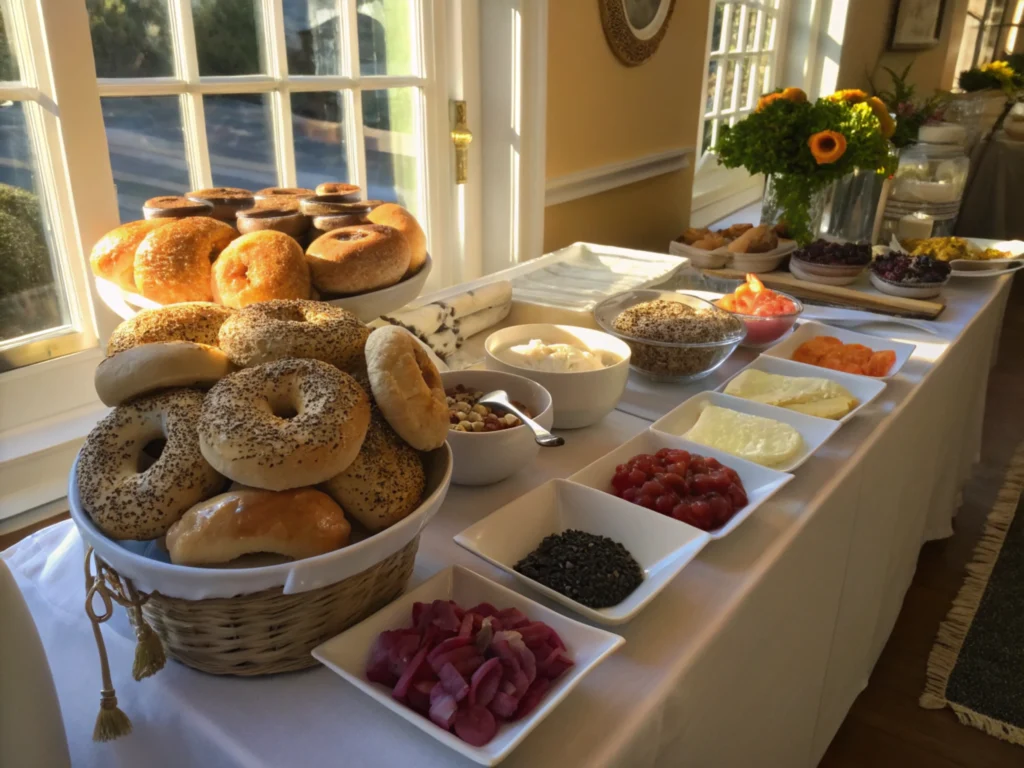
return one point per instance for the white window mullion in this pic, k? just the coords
(354, 139)
(281, 102)
(193, 116)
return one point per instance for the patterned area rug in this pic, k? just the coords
(977, 664)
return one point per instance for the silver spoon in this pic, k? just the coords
(499, 397)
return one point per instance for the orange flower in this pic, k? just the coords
(885, 121)
(794, 94)
(850, 96)
(827, 146)
(765, 101)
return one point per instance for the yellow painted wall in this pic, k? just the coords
(866, 38)
(600, 111)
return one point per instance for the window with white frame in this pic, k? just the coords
(741, 62)
(252, 94)
(43, 309)
(992, 31)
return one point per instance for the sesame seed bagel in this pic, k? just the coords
(357, 259)
(124, 495)
(284, 424)
(284, 328)
(196, 321)
(151, 367)
(385, 482)
(172, 263)
(407, 387)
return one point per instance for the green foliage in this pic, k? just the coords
(130, 38)
(775, 140)
(8, 66)
(26, 260)
(227, 40)
(910, 114)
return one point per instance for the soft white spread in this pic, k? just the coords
(552, 358)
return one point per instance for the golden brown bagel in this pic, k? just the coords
(396, 216)
(358, 259)
(260, 266)
(172, 263)
(339, 188)
(298, 523)
(226, 201)
(407, 387)
(113, 256)
(173, 207)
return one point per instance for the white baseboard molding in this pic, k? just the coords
(572, 186)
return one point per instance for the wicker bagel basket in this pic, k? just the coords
(269, 632)
(247, 621)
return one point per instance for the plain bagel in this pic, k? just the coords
(357, 259)
(260, 266)
(128, 494)
(151, 367)
(276, 330)
(399, 218)
(299, 523)
(197, 321)
(407, 387)
(284, 424)
(172, 263)
(113, 256)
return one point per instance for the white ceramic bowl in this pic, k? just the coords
(700, 258)
(482, 458)
(148, 565)
(581, 398)
(907, 290)
(825, 274)
(762, 262)
(347, 653)
(660, 545)
(365, 306)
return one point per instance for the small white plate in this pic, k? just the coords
(762, 262)
(808, 330)
(798, 271)
(864, 388)
(813, 430)
(909, 291)
(759, 482)
(346, 654)
(700, 258)
(660, 545)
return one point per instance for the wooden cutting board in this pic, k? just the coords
(842, 295)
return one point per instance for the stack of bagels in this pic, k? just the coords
(235, 247)
(270, 428)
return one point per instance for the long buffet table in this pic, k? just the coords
(752, 656)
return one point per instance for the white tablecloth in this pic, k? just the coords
(752, 656)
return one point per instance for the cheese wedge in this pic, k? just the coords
(764, 441)
(816, 396)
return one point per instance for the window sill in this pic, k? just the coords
(721, 193)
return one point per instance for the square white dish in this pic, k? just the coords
(864, 388)
(760, 483)
(809, 329)
(660, 545)
(813, 430)
(346, 654)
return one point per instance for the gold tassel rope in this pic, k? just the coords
(111, 722)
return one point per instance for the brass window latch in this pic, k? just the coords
(461, 138)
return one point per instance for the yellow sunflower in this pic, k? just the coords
(885, 121)
(827, 146)
(850, 96)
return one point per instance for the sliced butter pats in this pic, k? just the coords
(754, 438)
(817, 396)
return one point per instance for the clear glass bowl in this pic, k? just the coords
(765, 330)
(669, 360)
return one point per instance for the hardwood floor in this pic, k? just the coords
(886, 728)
